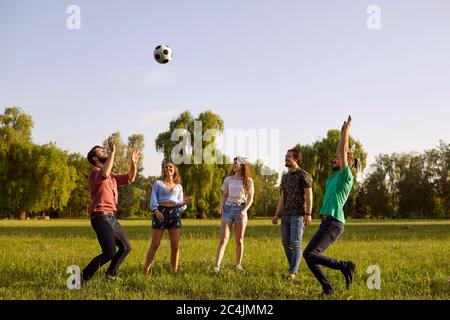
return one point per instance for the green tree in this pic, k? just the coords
(16, 126)
(80, 197)
(56, 179)
(267, 192)
(377, 191)
(136, 141)
(408, 184)
(18, 179)
(437, 171)
(415, 191)
(33, 178)
(201, 181)
(17, 160)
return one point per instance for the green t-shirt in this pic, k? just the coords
(337, 189)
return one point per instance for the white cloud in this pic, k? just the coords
(140, 77)
(155, 117)
(156, 78)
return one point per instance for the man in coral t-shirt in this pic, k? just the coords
(104, 200)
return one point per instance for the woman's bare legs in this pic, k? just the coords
(157, 235)
(174, 235)
(224, 236)
(239, 236)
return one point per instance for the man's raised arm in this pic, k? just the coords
(110, 161)
(343, 143)
(135, 154)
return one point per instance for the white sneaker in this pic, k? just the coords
(109, 277)
(291, 276)
(239, 268)
(216, 270)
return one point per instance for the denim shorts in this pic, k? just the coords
(172, 218)
(231, 213)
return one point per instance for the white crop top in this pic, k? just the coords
(235, 189)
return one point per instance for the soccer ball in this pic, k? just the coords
(162, 54)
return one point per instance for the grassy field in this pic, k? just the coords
(414, 257)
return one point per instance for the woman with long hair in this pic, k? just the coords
(166, 203)
(237, 198)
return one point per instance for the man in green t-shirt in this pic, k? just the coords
(338, 187)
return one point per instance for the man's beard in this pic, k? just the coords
(335, 168)
(287, 165)
(102, 159)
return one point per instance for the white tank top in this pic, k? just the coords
(235, 189)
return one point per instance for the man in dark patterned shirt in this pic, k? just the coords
(294, 208)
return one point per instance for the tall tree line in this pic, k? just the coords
(412, 185)
(45, 180)
(33, 178)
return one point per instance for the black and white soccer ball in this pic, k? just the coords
(162, 54)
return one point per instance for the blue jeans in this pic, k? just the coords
(291, 235)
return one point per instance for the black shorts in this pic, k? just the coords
(172, 218)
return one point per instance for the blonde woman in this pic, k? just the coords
(167, 202)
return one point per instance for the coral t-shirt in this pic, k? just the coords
(104, 194)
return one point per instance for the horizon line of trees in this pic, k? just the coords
(41, 180)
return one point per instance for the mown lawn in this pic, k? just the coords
(413, 255)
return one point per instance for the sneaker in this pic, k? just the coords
(326, 293)
(216, 270)
(349, 273)
(239, 268)
(108, 277)
(291, 276)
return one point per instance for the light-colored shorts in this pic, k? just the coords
(231, 213)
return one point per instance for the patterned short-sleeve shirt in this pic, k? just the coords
(293, 185)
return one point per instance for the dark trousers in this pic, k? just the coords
(109, 234)
(329, 231)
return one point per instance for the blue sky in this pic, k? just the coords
(297, 66)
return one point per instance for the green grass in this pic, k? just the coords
(414, 257)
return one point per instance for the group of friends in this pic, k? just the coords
(294, 210)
